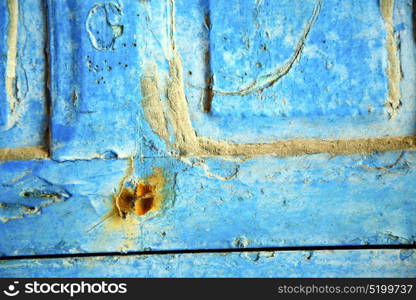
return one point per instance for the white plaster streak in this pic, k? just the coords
(10, 79)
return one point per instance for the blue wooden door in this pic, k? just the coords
(232, 138)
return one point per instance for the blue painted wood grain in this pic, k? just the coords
(345, 263)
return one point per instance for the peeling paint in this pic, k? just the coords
(236, 207)
(393, 68)
(152, 105)
(188, 143)
(11, 61)
(23, 83)
(12, 211)
(103, 25)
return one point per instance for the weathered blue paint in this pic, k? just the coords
(92, 98)
(23, 112)
(337, 88)
(298, 201)
(349, 263)
(101, 51)
(94, 60)
(3, 53)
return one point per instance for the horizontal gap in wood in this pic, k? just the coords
(198, 251)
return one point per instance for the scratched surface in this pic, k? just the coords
(160, 116)
(347, 263)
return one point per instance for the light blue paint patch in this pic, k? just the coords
(347, 263)
(99, 57)
(337, 88)
(29, 119)
(299, 201)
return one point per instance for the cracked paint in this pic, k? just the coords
(12, 211)
(234, 201)
(103, 25)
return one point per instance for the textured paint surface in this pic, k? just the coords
(96, 71)
(298, 201)
(180, 102)
(353, 263)
(338, 88)
(168, 127)
(23, 118)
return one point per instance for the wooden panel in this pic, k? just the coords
(52, 208)
(305, 69)
(148, 154)
(113, 91)
(23, 72)
(99, 50)
(331, 81)
(345, 263)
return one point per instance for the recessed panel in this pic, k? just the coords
(23, 93)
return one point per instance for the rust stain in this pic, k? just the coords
(135, 198)
(147, 195)
(123, 202)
